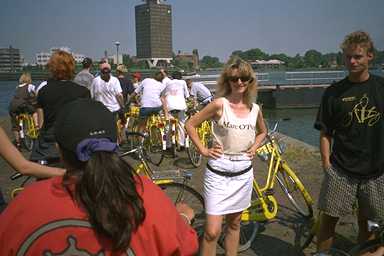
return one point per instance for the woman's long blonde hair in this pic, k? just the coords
(244, 70)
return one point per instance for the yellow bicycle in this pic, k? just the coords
(28, 131)
(264, 206)
(175, 183)
(154, 144)
(204, 133)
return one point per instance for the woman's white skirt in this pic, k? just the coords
(224, 195)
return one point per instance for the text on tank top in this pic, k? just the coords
(235, 134)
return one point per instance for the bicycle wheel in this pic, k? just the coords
(295, 191)
(194, 155)
(248, 232)
(306, 233)
(27, 139)
(154, 146)
(179, 192)
(370, 246)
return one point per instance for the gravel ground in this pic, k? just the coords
(277, 236)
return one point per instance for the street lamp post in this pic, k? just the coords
(117, 43)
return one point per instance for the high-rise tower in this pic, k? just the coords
(154, 31)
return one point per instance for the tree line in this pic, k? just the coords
(311, 59)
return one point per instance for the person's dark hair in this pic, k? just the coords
(87, 62)
(158, 76)
(98, 180)
(177, 75)
(105, 186)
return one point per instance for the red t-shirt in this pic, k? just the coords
(43, 219)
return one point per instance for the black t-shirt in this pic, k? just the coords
(54, 95)
(126, 87)
(352, 114)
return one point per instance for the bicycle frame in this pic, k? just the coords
(31, 129)
(265, 206)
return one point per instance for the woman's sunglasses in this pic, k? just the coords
(243, 79)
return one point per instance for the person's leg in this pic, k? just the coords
(180, 127)
(211, 234)
(336, 199)
(15, 128)
(232, 233)
(326, 232)
(364, 234)
(371, 206)
(143, 115)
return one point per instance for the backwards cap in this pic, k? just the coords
(83, 121)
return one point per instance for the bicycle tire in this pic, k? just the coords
(179, 192)
(248, 232)
(154, 147)
(368, 246)
(306, 233)
(295, 191)
(194, 155)
(27, 140)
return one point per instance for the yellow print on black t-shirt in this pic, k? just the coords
(363, 113)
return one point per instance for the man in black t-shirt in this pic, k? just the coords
(350, 120)
(58, 91)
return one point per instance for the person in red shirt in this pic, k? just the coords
(100, 206)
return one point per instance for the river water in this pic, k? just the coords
(298, 122)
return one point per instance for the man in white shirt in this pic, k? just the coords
(106, 89)
(199, 92)
(175, 93)
(150, 91)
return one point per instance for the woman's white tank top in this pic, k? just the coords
(235, 134)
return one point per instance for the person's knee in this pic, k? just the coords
(212, 233)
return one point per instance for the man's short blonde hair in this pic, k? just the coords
(361, 38)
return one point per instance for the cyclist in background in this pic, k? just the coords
(175, 94)
(151, 101)
(100, 206)
(351, 124)
(23, 101)
(238, 130)
(52, 95)
(84, 77)
(201, 94)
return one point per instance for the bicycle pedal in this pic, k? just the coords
(269, 192)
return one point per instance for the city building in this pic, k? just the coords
(42, 58)
(154, 32)
(10, 59)
(192, 58)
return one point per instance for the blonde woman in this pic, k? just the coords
(23, 100)
(238, 130)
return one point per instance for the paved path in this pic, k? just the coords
(277, 237)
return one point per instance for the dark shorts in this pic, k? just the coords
(145, 112)
(340, 192)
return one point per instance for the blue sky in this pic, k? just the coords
(214, 27)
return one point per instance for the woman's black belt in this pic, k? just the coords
(229, 174)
